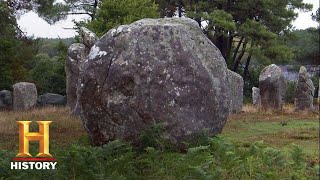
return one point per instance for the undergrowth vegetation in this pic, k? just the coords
(215, 159)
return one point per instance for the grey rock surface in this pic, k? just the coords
(272, 85)
(304, 91)
(51, 99)
(256, 98)
(24, 96)
(236, 85)
(5, 99)
(88, 38)
(76, 56)
(149, 72)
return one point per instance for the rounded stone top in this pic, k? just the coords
(76, 51)
(165, 22)
(75, 48)
(88, 37)
(23, 84)
(271, 71)
(303, 69)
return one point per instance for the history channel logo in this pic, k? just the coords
(24, 159)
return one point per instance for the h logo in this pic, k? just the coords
(42, 136)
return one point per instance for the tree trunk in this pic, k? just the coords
(246, 68)
(180, 8)
(229, 47)
(237, 61)
(95, 6)
(237, 50)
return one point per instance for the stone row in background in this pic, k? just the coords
(25, 96)
(272, 88)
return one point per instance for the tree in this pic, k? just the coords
(305, 44)
(316, 17)
(112, 13)
(16, 50)
(53, 11)
(170, 8)
(246, 29)
(48, 73)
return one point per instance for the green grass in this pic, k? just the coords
(302, 132)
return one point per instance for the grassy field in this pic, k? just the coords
(283, 131)
(280, 130)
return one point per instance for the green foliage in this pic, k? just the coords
(15, 49)
(252, 82)
(49, 46)
(216, 159)
(316, 17)
(221, 21)
(154, 138)
(248, 32)
(112, 13)
(290, 92)
(48, 74)
(306, 45)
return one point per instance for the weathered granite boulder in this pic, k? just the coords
(76, 56)
(24, 96)
(88, 38)
(256, 98)
(154, 71)
(272, 85)
(5, 99)
(236, 85)
(51, 99)
(304, 91)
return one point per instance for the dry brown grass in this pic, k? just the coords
(251, 113)
(64, 129)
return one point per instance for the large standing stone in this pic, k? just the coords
(51, 99)
(5, 99)
(304, 91)
(154, 71)
(76, 56)
(236, 85)
(24, 96)
(272, 85)
(256, 98)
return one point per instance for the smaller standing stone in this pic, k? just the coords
(88, 38)
(256, 98)
(24, 96)
(319, 95)
(52, 99)
(272, 85)
(76, 56)
(236, 85)
(5, 99)
(304, 91)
